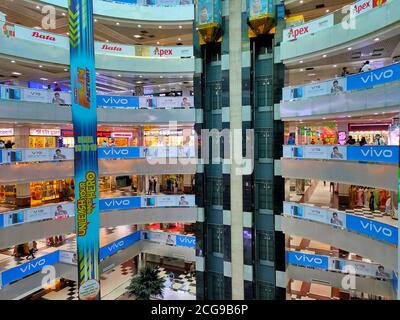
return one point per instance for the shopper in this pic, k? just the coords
(9, 144)
(344, 72)
(351, 141)
(31, 253)
(379, 140)
(154, 185)
(363, 141)
(150, 189)
(57, 87)
(366, 67)
(2, 144)
(292, 138)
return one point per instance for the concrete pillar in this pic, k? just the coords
(235, 97)
(23, 199)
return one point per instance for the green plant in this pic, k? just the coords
(146, 284)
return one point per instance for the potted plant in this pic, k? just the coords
(146, 284)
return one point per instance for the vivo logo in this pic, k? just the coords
(112, 100)
(374, 228)
(117, 203)
(377, 153)
(373, 76)
(32, 265)
(117, 152)
(307, 259)
(116, 245)
(187, 240)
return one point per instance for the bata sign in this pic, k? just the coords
(40, 36)
(179, 51)
(311, 27)
(114, 49)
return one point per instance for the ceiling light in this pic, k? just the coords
(348, 116)
(117, 23)
(159, 27)
(44, 79)
(181, 77)
(12, 61)
(335, 65)
(301, 61)
(376, 39)
(301, 1)
(140, 76)
(107, 41)
(323, 118)
(139, 82)
(158, 42)
(37, 7)
(137, 36)
(95, 20)
(324, 56)
(349, 49)
(16, 73)
(161, 77)
(311, 74)
(119, 76)
(180, 27)
(327, 10)
(375, 113)
(301, 70)
(65, 69)
(63, 13)
(179, 39)
(67, 33)
(40, 66)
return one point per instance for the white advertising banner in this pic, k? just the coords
(41, 36)
(55, 154)
(114, 49)
(329, 87)
(171, 52)
(38, 214)
(296, 32)
(61, 98)
(175, 102)
(184, 200)
(361, 268)
(159, 237)
(68, 257)
(35, 95)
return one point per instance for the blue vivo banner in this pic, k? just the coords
(120, 244)
(28, 268)
(307, 260)
(119, 152)
(388, 154)
(374, 77)
(118, 101)
(84, 119)
(185, 241)
(120, 203)
(373, 229)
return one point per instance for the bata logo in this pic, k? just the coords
(375, 76)
(39, 35)
(361, 7)
(117, 203)
(371, 152)
(117, 101)
(294, 33)
(162, 52)
(116, 152)
(116, 245)
(33, 265)
(111, 48)
(307, 259)
(370, 226)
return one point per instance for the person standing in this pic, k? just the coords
(366, 67)
(150, 186)
(154, 185)
(9, 144)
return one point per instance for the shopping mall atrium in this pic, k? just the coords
(298, 102)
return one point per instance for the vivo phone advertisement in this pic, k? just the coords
(84, 118)
(169, 239)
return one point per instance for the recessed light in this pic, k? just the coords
(324, 56)
(139, 82)
(40, 66)
(12, 61)
(65, 69)
(327, 10)
(375, 113)
(301, 70)
(139, 25)
(63, 13)
(119, 76)
(161, 77)
(117, 23)
(335, 65)
(181, 77)
(140, 76)
(107, 41)
(348, 116)
(67, 33)
(349, 49)
(16, 73)
(376, 39)
(137, 36)
(323, 118)
(301, 1)
(37, 7)
(180, 27)
(159, 27)
(311, 74)
(158, 42)
(44, 79)
(179, 39)
(95, 20)
(301, 61)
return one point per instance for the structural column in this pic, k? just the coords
(23, 190)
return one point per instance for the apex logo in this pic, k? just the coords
(308, 259)
(32, 265)
(162, 52)
(116, 245)
(371, 152)
(369, 225)
(39, 35)
(111, 48)
(294, 33)
(359, 8)
(116, 152)
(116, 203)
(377, 76)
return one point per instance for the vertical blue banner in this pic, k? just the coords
(84, 118)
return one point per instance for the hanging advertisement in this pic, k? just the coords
(330, 87)
(375, 77)
(296, 32)
(361, 268)
(205, 12)
(175, 102)
(159, 237)
(84, 119)
(120, 203)
(119, 152)
(114, 49)
(308, 260)
(327, 216)
(387, 154)
(259, 8)
(118, 245)
(117, 101)
(60, 98)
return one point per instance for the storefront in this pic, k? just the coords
(44, 138)
(313, 134)
(369, 131)
(166, 137)
(51, 191)
(7, 134)
(8, 195)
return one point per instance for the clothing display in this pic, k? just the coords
(372, 198)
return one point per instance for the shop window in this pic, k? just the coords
(265, 244)
(264, 92)
(264, 195)
(265, 291)
(264, 144)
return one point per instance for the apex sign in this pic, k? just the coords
(162, 52)
(295, 32)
